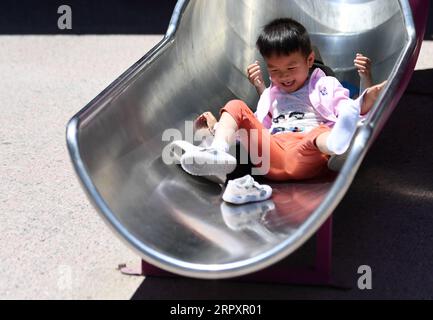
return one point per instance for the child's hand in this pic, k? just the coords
(205, 120)
(363, 64)
(255, 76)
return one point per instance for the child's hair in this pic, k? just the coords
(282, 37)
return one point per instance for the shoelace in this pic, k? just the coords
(252, 183)
(257, 185)
(209, 149)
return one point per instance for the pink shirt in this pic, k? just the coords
(325, 94)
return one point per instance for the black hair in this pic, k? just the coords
(282, 37)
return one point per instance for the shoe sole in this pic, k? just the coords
(206, 167)
(179, 148)
(247, 198)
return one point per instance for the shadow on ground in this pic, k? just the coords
(385, 221)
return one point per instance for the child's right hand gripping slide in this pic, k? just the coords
(255, 77)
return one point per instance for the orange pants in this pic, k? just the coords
(293, 155)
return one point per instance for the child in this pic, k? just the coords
(206, 121)
(300, 120)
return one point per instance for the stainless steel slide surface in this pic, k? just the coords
(179, 222)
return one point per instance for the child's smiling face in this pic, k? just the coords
(289, 72)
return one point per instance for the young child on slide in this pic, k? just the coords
(206, 122)
(301, 119)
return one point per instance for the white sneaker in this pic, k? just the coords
(208, 162)
(178, 148)
(336, 162)
(245, 190)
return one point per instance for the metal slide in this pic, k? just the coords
(178, 222)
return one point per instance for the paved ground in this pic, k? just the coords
(425, 60)
(53, 243)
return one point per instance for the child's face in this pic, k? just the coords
(289, 72)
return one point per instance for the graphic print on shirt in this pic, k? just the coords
(282, 124)
(293, 112)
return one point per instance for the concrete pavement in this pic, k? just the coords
(53, 243)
